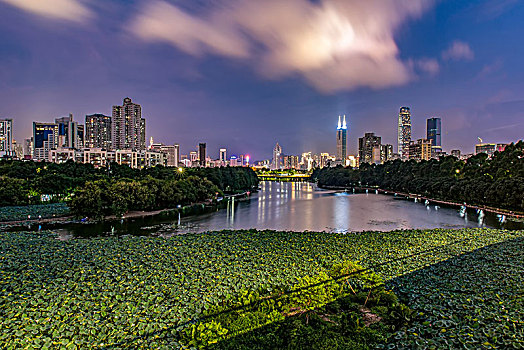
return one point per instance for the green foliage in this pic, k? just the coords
(138, 291)
(23, 182)
(100, 198)
(496, 182)
(472, 301)
(13, 192)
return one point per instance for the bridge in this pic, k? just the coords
(298, 177)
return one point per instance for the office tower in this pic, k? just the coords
(277, 155)
(44, 136)
(202, 154)
(369, 148)
(68, 133)
(98, 131)
(433, 133)
(128, 127)
(341, 141)
(420, 150)
(223, 157)
(404, 132)
(6, 137)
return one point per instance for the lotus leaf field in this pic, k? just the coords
(473, 301)
(128, 292)
(22, 212)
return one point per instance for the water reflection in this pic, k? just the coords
(300, 206)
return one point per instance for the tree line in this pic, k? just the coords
(23, 183)
(480, 180)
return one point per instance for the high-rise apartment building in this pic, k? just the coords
(202, 154)
(341, 141)
(404, 132)
(420, 150)
(277, 157)
(128, 127)
(6, 137)
(98, 131)
(433, 133)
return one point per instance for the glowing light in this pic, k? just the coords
(180, 170)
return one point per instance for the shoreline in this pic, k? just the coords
(499, 211)
(128, 215)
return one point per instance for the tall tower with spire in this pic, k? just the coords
(277, 155)
(341, 141)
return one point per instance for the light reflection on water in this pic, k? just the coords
(300, 206)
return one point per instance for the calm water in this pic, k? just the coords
(297, 207)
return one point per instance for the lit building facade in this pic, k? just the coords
(98, 131)
(341, 140)
(277, 157)
(223, 157)
(433, 133)
(44, 136)
(369, 148)
(420, 150)
(489, 148)
(6, 137)
(128, 127)
(404, 132)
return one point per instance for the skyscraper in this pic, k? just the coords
(98, 131)
(44, 136)
(433, 133)
(404, 132)
(128, 126)
(369, 150)
(277, 157)
(223, 157)
(341, 141)
(6, 137)
(68, 133)
(202, 154)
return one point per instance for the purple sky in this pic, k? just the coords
(245, 74)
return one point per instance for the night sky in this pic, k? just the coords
(245, 74)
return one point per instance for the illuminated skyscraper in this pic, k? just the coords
(98, 131)
(341, 141)
(44, 138)
(128, 127)
(277, 157)
(404, 132)
(6, 137)
(223, 157)
(433, 133)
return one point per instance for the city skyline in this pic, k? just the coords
(442, 59)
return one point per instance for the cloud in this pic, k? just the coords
(428, 65)
(70, 10)
(495, 8)
(333, 44)
(458, 51)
